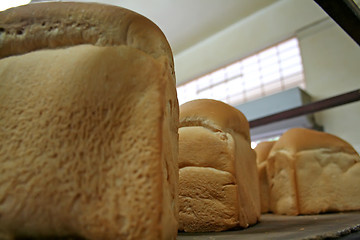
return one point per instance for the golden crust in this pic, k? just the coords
(215, 135)
(103, 174)
(62, 24)
(109, 70)
(312, 172)
(207, 112)
(262, 150)
(301, 139)
(208, 200)
(201, 147)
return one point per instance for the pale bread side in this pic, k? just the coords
(89, 133)
(262, 151)
(312, 172)
(214, 137)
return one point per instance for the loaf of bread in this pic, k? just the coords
(218, 178)
(313, 172)
(89, 124)
(262, 151)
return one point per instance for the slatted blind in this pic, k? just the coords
(269, 71)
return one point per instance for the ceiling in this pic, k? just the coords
(187, 22)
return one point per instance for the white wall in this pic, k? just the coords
(331, 58)
(332, 66)
(265, 28)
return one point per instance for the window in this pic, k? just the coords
(272, 70)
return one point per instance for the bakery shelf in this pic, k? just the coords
(279, 227)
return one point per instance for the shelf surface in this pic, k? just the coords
(322, 226)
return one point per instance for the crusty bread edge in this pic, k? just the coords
(301, 139)
(61, 24)
(215, 115)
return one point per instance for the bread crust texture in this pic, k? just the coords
(89, 124)
(62, 24)
(313, 172)
(262, 152)
(219, 187)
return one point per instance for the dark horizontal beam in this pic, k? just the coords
(345, 13)
(308, 108)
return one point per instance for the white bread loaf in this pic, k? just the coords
(312, 172)
(218, 178)
(262, 151)
(89, 124)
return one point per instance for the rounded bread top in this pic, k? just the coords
(301, 139)
(262, 150)
(61, 24)
(214, 114)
